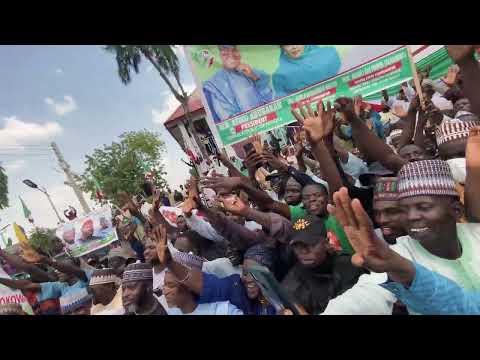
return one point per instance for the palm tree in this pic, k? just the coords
(163, 59)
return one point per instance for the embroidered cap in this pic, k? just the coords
(453, 130)
(103, 276)
(137, 272)
(74, 300)
(426, 177)
(385, 189)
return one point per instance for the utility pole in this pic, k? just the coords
(71, 181)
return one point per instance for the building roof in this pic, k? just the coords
(194, 104)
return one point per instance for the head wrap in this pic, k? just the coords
(11, 309)
(137, 272)
(74, 299)
(385, 189)
(103, 276)
(260, 254)
(426, 177)
(453, 130)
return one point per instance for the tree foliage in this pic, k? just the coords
(162, 57)
(3, 189)
(122, 165)
(44, 241)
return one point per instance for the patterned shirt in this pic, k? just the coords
(434, 294)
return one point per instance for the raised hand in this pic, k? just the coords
(157, 195)
(460, 53)
(223, 185)
(188, 206)
(252, 162)
(451, 78)
(317, 126)
(274, 161)
(350, 108)
(159, 237)
(247, 71)
(299, 149)
(234, 205)
(370, 251)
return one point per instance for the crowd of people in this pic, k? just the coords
(369, 213)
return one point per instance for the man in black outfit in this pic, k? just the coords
(318, 275)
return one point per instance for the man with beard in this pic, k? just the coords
(318, 276)
(137, 291)
(107, 295)
(427, 194)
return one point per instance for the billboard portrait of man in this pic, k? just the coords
(236, 87)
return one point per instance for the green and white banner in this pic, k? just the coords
(88, 233)
(245, 94)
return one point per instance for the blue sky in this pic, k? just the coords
(72, 95)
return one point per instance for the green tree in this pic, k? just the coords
(163, 59)
(3, 189)
(44, 241)
(122, 165)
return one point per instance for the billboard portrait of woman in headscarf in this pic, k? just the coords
(304, 65)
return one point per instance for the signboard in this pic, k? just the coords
(88, 233)
(249, 90)
(10, 296)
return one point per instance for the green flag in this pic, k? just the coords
(26, 212)
(98, 189)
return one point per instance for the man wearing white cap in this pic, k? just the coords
(76, 302)
(107, 294)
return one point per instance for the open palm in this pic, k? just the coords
(370, 251)
(317, 125)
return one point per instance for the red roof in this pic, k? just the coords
(194, 104)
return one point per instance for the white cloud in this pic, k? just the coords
(14, 166)
(59, 71)
(169, 105)
(17, 132)
(62, 108)
(167, 108)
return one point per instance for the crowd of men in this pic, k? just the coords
(376, 214)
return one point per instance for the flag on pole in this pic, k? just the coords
(98, 190)
(28, 253)
(26, 212)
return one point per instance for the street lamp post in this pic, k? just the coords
(31, 184)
